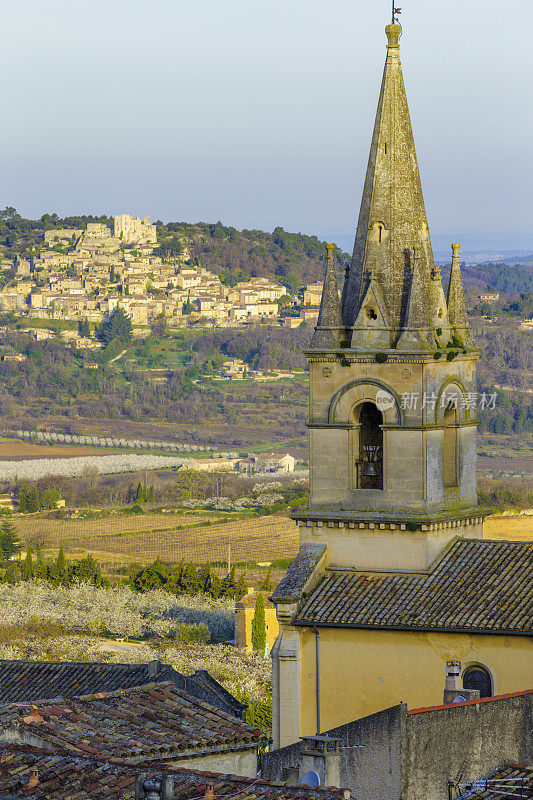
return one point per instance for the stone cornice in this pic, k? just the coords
(401, 520)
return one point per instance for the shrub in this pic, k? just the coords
(193, 634)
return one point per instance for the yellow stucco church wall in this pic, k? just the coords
(364, 671)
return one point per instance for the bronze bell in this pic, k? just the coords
(370, 470)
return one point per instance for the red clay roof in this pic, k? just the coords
(156, 720)
(476, 585)
(470, 702)
(65, 775)
(514, 780)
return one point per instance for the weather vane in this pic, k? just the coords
(395, 12)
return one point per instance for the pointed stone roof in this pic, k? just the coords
(456, 301)
(392, 224)
(329, 331)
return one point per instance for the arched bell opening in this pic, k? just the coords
(450, 446)
(369, 454)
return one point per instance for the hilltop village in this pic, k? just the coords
(83, 275)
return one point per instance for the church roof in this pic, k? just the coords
(475, 585)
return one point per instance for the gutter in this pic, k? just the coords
(420, 628)
(179, 754)
(317, 678)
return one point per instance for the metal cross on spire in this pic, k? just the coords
(395, 12)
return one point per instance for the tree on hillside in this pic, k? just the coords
(84, 328)
(59, 570)
(159, 327)
(9, 541)
(259, 626)
(118, 327)
(27, 571)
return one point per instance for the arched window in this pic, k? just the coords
(370, 463)
(477, 677)
(311, 778)
(450, 445)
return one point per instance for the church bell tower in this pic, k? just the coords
(392, 374)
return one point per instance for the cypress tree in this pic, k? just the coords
(267, 583)
(259, 626)
(33, 502)
(27, 571)
(151, 494)
(9, 541)
(240, 588)
(61, 568)
(23, 499)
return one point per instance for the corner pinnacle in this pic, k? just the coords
(329, 328)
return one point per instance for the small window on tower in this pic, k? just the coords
(385, 148)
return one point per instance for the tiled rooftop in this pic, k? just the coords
(475, 585)
(515, 780)
(65, 776)
(293, 582)
(478, 701)
(152, 721)
(23, 681)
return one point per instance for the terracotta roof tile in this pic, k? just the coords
(39, 680)
(67, 776)
(514, 780)
(156, 718)
(475, 585)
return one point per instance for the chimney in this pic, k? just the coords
(453, 680)
(154, 788)
(209, 792)
(320, 761)
(168, 786)
(154, 668)
(453, 685)
(34, 779)
(290, 776)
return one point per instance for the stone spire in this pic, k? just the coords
(456, 302)
(329, 331)
(392, 225)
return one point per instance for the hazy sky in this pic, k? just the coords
(260, 114)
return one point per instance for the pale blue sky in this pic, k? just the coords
(260, 114)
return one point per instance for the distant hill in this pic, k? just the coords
(293, 258)
(507, 278)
